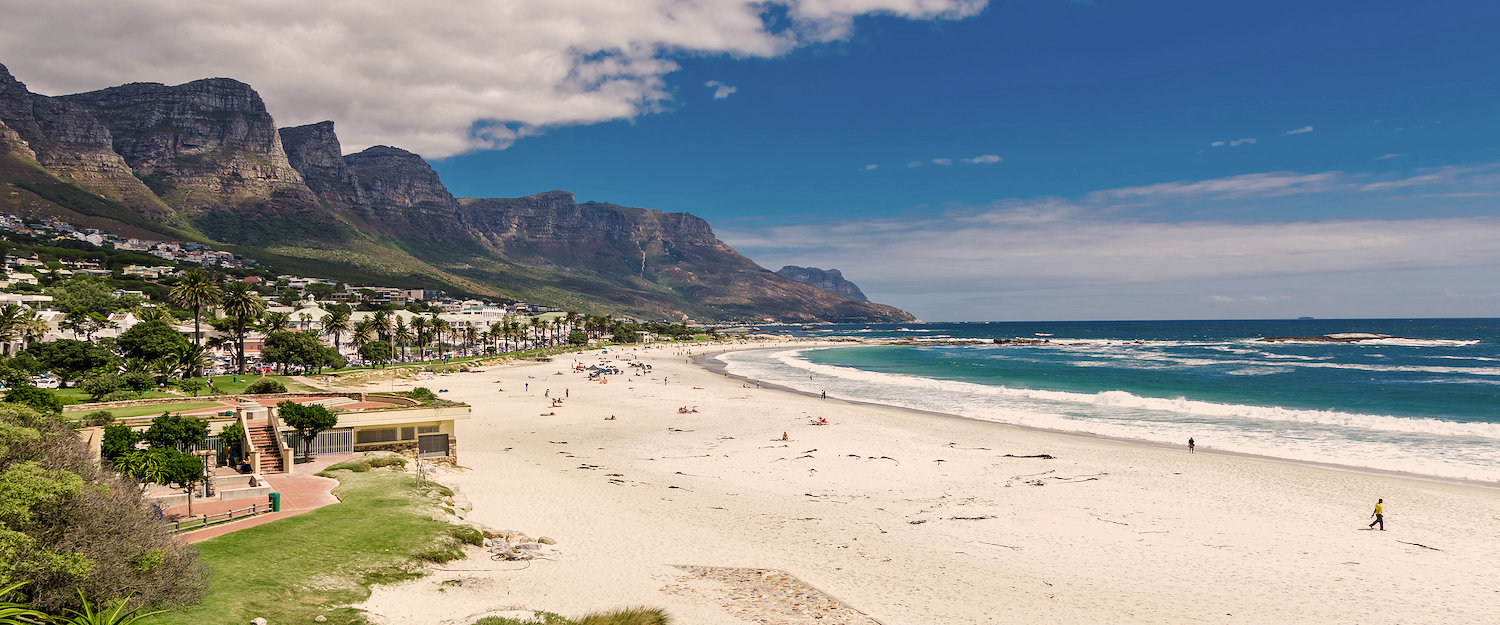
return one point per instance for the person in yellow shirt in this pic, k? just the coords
(1379, 515)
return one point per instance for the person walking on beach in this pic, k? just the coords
(1379, 514)
(825, 394)
(1191, 445)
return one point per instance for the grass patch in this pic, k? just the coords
(141, 411)
(320, 562)
(235, 384)
(367, 462)
(628, 616)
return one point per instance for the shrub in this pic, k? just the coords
(376, 462)
(265, 386)
(421, 393)
(98, 418)
(174, 431)
(103, 384)
(117, 440)
(468, 535)
(82, 528)
(139, 381)
(120, 395)
(34, 397)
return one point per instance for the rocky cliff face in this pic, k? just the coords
(73, 144)
(211, 150)
(213, 135)
(403, 194)
(314, 151)
(671, 261)
(829, 280)
(214, 164)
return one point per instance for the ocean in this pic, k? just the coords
(1425, 399)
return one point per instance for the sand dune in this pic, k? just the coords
(892, 516)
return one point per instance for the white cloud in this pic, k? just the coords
(438, 79)
(721, 90)
(1217, 144)
(1267, 184)
(1386, 157)
(871, 166)
(983, 159)
(1239, 142)
(1298, 131)
(942, 161)
(914, 164)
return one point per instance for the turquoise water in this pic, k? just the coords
(1425, 400)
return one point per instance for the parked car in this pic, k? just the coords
(46, 382)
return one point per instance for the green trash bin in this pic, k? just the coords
(275, 502)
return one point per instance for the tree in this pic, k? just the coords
(72, 360)
(196, 291)
(84, 321)
(242, 307)
(402, 335)
(578, 337)
(91, 294)
(149, 341)
(32, 396)
(117, 441)
(68, 524)
(174, 431)
(191, 386)
(103, 384)
(307, 419)
(336, 322)
(275, 322)
(378, 352)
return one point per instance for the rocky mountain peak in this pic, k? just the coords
(403, 193)
(314, 151)
(828, 280)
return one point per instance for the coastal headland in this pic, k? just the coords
(691, 499)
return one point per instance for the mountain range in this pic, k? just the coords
(204, 161)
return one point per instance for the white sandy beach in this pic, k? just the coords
(911, 518)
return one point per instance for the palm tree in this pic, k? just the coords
(306, 321)
(364, 332)
(155, 314)
(196, 291)
(441, 327)
(275, 322)
(11, 318)
(336, 323)
(189, 359)
(382, 319)
(403, 334)
(419, 325)
(471, 334)
(536, 328)
(243, 306)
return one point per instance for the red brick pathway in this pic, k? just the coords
(300, 493)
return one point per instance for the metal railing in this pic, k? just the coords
(326, 442)
(205, 520)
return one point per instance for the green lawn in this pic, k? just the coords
(140, 411)
(320, 562)
(234, 384)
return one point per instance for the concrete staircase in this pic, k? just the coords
(264, 442)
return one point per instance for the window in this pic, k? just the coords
(428, 429)
(375, 436)
(408, 433)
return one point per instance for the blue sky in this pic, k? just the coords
(1078, 99)
(1032, 159)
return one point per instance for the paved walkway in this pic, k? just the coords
(299, 493)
